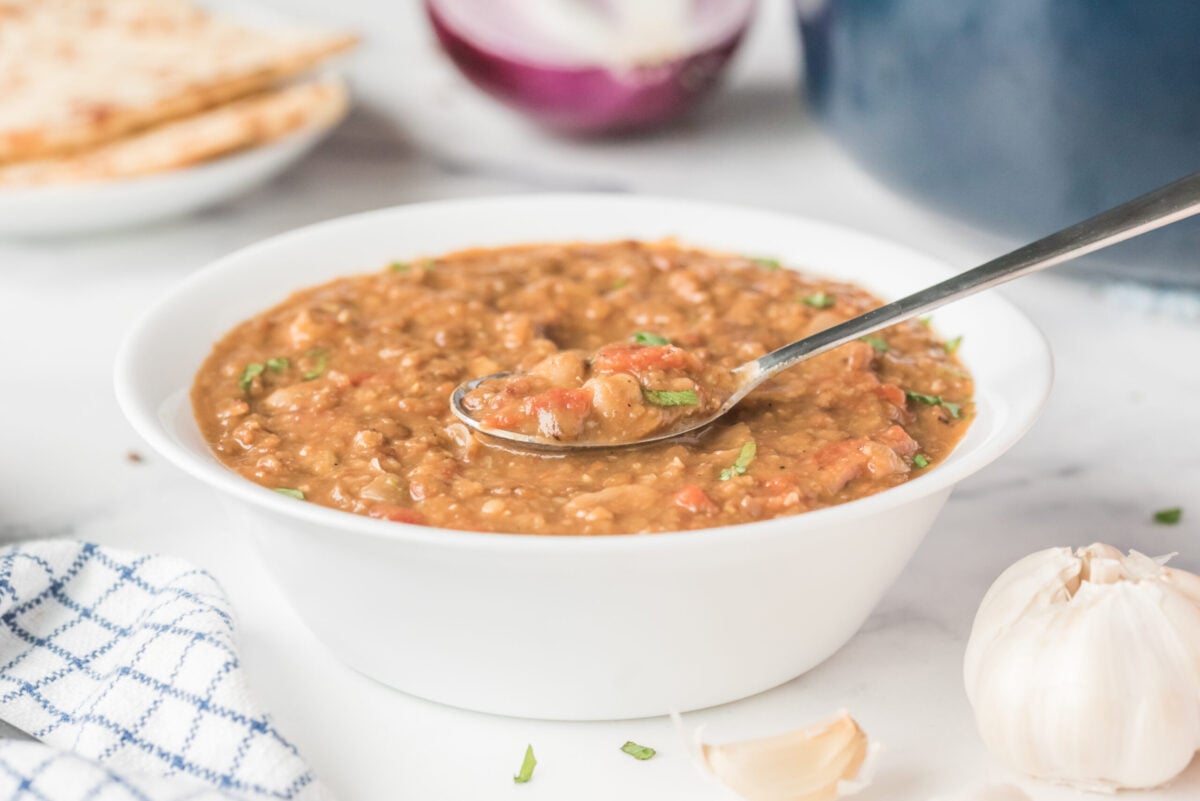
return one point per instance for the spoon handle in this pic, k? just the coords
(1163, 206)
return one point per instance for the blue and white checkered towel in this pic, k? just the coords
(124, 667)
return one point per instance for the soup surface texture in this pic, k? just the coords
(340, 394)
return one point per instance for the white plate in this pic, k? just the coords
(87, 208)
(90, 207)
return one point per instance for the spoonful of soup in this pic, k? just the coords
(647, 389)
(624, 391)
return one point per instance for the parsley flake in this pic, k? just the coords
(527, 766)
(954, 409)
(1169, 517)
(291, 493)
(670, 397)
(767, 263)
(642, 752)
(925, 321)
(620, 283)
(819, 300)
(921, 460)
(278, 365)
(878, 343)
(399, 266)
(320, 362)
(252, 371)
(647, 338)
(951, 345)
(742, 463)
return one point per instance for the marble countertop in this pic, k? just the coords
(1107, 452)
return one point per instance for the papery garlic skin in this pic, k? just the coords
(821, 762)
(1084, 668)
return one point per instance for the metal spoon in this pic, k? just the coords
(1163, 206)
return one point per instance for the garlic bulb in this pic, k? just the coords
(821, 762)
(1084, 668)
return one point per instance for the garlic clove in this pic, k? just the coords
(821, 762)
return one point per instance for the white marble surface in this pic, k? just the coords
(1117, 441)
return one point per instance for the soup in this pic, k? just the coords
(340, 394)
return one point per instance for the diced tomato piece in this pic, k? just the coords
(898, 440)
(573, 401)
(840, 451)
(358, 378)
(507, 420)
(839, 463)
(695, 500)
(632, 358)
(892, 394)
(559, 412)
(398, 514)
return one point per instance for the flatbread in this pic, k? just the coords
(233, 126)
(74, 73)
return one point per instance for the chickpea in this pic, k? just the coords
(562, 369)
(615, 395)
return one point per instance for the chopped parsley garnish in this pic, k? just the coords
(954, 409)
(767, 263)
(951, 345)
(671, 397)
(820, 300)
(646, 338)
(252, 371)
(320, 362)
(642, 752)
(278, 365)
(399, 266)
(1169, 517)
(620, 283)
(527, 766)
(291, 493)
(742, 462)
(925, 321)
(920, 460)
(878, 343)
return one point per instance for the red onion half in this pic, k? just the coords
(592, 65)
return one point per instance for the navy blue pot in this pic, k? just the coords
(1020, 115)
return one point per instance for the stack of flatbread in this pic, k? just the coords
(94, 90)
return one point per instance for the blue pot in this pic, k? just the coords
(1020, 115)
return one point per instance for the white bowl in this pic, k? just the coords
(577, 627)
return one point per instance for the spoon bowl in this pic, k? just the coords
(748, 380)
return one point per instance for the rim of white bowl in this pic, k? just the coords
(142, 414)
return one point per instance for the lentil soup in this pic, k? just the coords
(340, 394)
